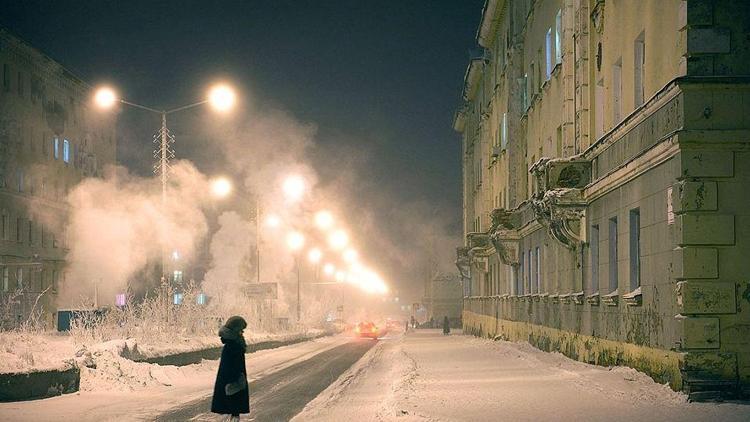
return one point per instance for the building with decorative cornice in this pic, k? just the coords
(606, 207)
(49, 141)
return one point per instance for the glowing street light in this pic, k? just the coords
(105, 97)
(350, 255)
(338, 239)
(314, 255)
(295, 241)
(324, 220)
(221, 97)
(329, 269)
(273, 220)
(340, 276)
(221, 187)
(294, 187)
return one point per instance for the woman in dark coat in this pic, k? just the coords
(231, 393)
(446, 326)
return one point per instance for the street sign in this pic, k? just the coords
(262, 290)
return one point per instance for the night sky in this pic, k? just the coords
(387, 74)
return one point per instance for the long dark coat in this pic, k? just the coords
(231, 366)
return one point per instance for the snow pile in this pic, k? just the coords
(23, 352)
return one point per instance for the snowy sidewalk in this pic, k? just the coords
(427, 376)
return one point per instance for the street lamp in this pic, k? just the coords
(350, 255)
(324, 220)
(294, 187)
(295, 241)
(221, 187)
(338, 239)
(220, 97)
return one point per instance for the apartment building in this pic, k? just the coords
(605, 196)
(49, 141)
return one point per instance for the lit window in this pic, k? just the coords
(177, 276)
(504, 131)
(558, 37)
(66, 151)
(56, 147)
(178, 298)
(548, 53)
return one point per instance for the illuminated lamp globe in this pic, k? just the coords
(295, 241)
(294, 187)
(221, 187)
(221, 98)
(105, 97)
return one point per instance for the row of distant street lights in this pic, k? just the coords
(338, 259)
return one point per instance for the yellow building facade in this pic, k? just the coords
(605, 205)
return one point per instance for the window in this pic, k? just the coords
(504, 131)
(6, 278)
(638, 70)
(549, 54)
(31, 232)
(594, 245)
(66, 150)
(558, 37)
(19, 179)
(617, 92)
(19, 278)
(56, 147)
(530, 273)
(519, 275)
(19, 225)
(4, 226)
(177, 276)
(599, 112)
(612, 254)
(538, 270)
(6, 77)
(635, 249)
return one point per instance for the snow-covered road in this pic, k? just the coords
(427, 376)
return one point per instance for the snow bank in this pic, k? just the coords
(22, 352)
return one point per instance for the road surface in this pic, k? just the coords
(282, 394)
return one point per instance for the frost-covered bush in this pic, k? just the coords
(154, 319)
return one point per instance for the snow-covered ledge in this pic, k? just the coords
(633, 298)
(554, 298)
(577, 297)
(611, 299)
(593, 299)
(564, 298)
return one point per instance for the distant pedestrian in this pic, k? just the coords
(231, 393)
(407, 327)
(413, 322)
(446, 326)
